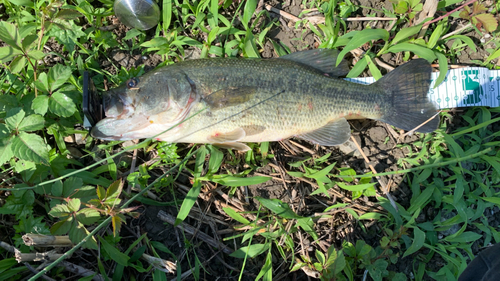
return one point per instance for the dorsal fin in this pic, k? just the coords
(321, 59)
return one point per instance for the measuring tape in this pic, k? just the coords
(463, 87)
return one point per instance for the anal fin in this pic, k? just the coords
(232, 136)
(233, 145)
(334, 133)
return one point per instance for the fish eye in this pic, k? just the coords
(132, 83)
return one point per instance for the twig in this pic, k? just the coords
(416, 128)
(469, 25)
(449, 13)
(191, 230)
(384, 65)
(281, 13)
(39, 240)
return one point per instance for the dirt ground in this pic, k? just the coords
(376, 139)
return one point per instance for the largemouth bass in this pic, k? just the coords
(229, 101)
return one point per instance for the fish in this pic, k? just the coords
(228, 102)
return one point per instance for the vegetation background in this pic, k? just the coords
(152, 210)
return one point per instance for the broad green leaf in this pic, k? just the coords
(248, 12)
(18, 64)
(167, 14)
(200, 160)
(322, 173)
(30, 147)
(421, 199)
(78, 232)
(42, 82)
(335, 261)
(36, 54)
(418, 242)
(7, 263)
(361, 38)
(234, 215)
(278, 207)
(307, 224)
(405, 33)
(113, 252)
(71, 185)
(61, 105)
(443, 68)
(14, 117)
(422, 52)
(188, 202)
(495, 200)
(61, 227)
(465, 237)
(215, 160)
(373, 68)
(358, 68)
(28, 40)
(7, 53)
(31, 123)
(4, 132)
(266, 273)
(58, 75)
(27, 3)
(359, 187)
(60, 210)
(57, 189)
(228, 180)
(40, 104)
(5, 150)
(74, 204)
(68, 14)
(252, 250)
(10, 35)
(436, 35)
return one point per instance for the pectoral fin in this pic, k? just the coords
(232, 136)
(233, 145)
(229, 96)
(334, 133)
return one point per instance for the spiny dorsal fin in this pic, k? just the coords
(334, 133)
(321, 59)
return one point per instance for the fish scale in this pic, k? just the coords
(228, 101)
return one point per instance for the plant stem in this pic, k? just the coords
(449, 13)
(433, 165)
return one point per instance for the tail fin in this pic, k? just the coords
(407, 87)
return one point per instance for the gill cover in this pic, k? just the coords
(163, 97)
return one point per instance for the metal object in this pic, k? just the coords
(140, 14)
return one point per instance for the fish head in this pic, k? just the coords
(145, 106)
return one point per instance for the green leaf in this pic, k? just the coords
(307, 224)
(114, 253)
(30, 147)
(266, 273)
(10, 35)
(248, 11)
(421, 199)
(234, 215)
(495, 200)
(443, 68)
(436, 35)
(31, 123)
(57, 189)
(14, 117)
(252, 250)
(215, 160)
(61, 105)
(7, 53)
(59, 211)
(422, 52)
(321, 174)
(58, 75)
(61, 227)
(361, 38)
(418, 242)
(465, 237)
(74, 204)
(188, 202)
(36, 54)
(278, 207)
(5, 150)
(18, 64)
(42, 82)
(405, 33)
(40, 104)
(68, 14)
(335, 261)
(229, 180)
(27, 3)
(78, 232)
(359, 187)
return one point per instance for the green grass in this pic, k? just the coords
(48, 190)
